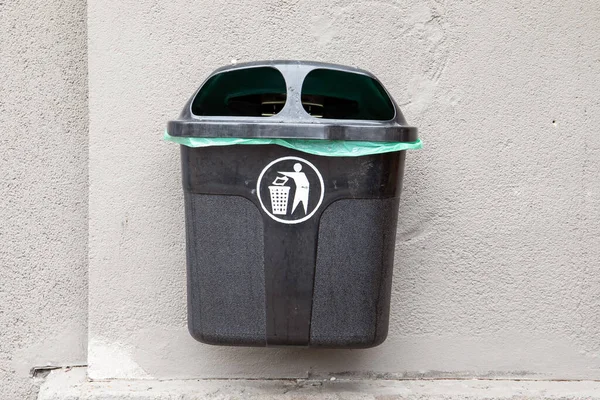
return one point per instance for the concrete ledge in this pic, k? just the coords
(73, 385)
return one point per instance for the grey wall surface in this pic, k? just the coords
(43, 190)
(497, 267)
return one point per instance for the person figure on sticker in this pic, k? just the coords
(302, 187)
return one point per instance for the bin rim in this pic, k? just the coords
(292, 122)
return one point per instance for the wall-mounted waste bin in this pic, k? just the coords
(292, 174)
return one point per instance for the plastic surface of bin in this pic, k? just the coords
(285, 247)
(360, 108)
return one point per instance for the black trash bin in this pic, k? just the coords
(285, 247)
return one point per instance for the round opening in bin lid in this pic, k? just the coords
(292, 100)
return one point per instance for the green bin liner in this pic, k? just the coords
(327, 148)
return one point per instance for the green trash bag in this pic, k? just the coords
(329, 148)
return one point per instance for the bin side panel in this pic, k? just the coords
(226, 282)
(353, 274)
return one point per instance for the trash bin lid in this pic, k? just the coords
(292, 100)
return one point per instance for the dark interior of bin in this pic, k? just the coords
(261, 92)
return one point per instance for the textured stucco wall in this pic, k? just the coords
(497, 267)
(43, 190)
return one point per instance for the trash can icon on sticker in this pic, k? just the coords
(279, 196)
(290, 190)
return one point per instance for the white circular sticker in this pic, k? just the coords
(290, 190)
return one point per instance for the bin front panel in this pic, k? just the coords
(226, 280)
(255, 275)
(354, 273)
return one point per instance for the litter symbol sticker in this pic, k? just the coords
(290, 190)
